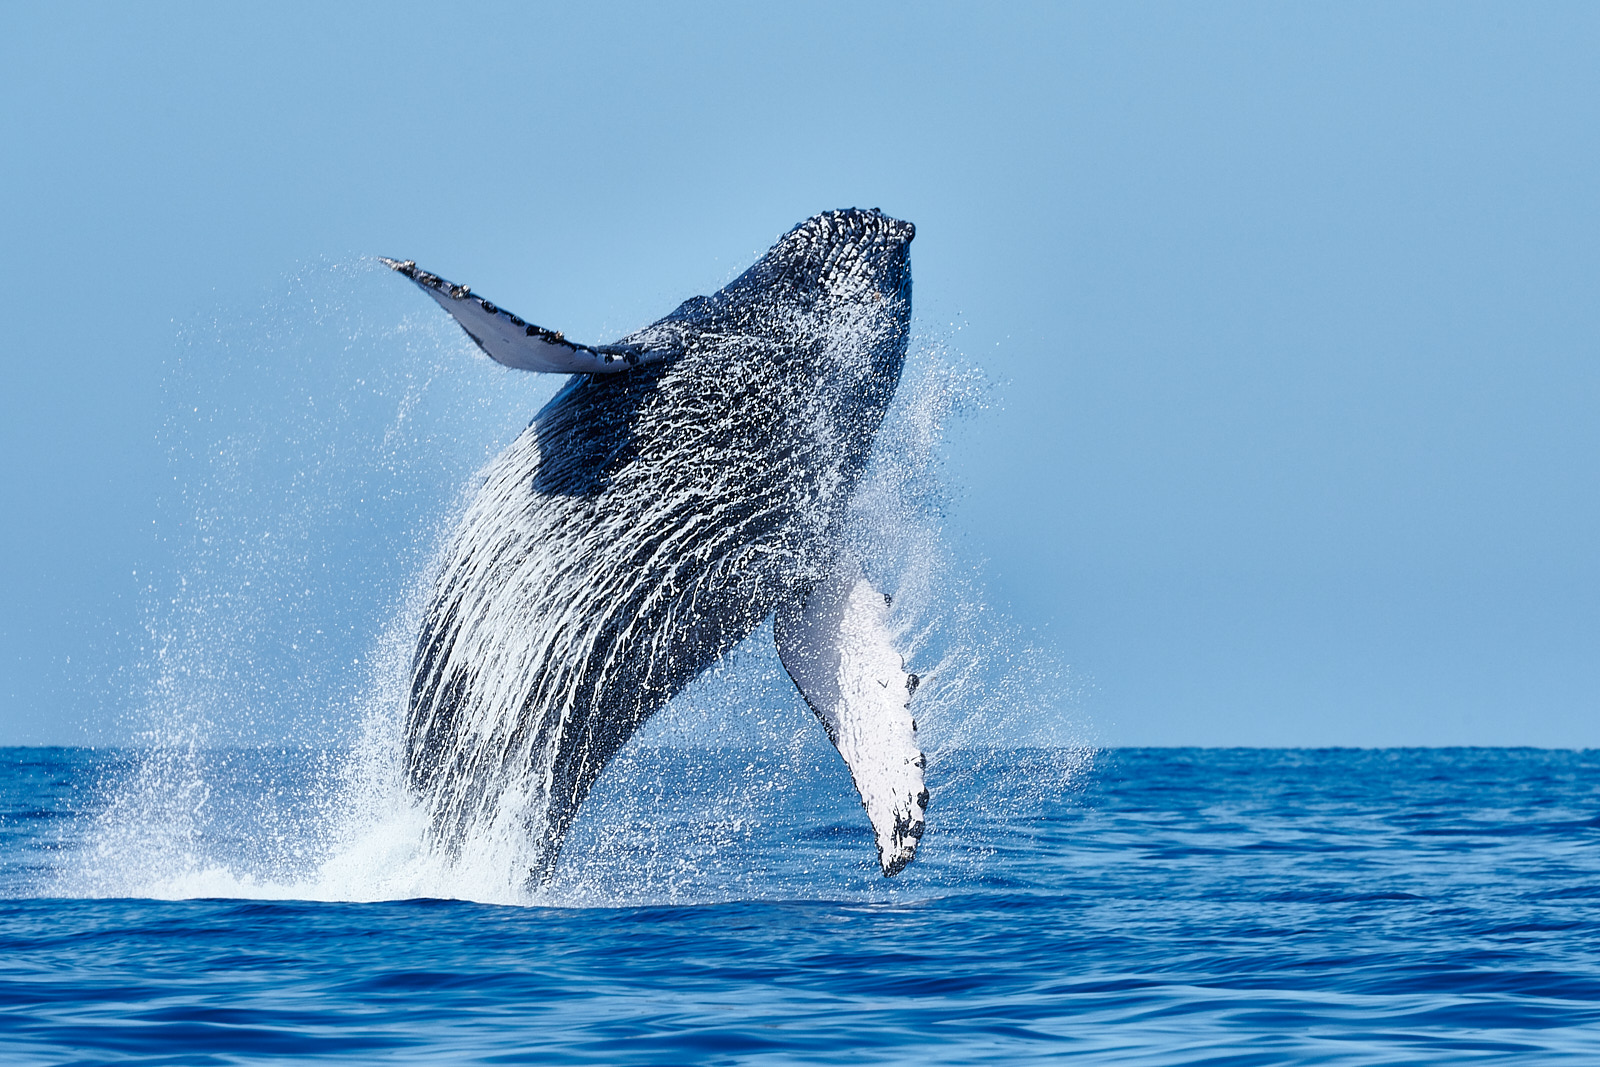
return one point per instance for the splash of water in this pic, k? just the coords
(341, 477)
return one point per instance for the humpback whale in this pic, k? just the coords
(688, 483)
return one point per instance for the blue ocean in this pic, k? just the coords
(722, 905)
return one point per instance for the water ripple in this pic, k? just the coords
(1182, 907)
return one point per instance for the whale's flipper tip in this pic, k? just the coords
(837, 647)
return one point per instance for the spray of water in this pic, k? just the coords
(322, 452)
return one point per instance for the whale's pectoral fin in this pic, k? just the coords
(836, 645)
(509, 340)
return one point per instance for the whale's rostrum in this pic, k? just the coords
(688, 482)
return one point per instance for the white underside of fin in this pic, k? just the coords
(838, 648)
(508, 339)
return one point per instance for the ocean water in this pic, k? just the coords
(1140, 906)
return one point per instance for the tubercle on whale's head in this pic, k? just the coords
(852, 253)
(858, 226)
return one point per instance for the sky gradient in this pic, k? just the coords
(1291, 312)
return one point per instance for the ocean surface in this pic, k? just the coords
(721, 906)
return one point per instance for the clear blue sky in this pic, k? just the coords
(1295, 308)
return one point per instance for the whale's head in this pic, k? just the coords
(831, 305)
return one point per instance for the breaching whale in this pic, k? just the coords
(688, 482)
